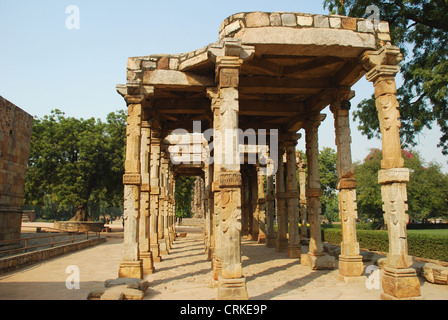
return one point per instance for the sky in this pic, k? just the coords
(44, 65)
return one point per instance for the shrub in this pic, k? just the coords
(420, 245)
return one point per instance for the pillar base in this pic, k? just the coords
(232, 289)
(320, 261)
(131, 269)
(163, 247)
(400, 284)
(294, 252)
(351, 266)
(155, 253)
(148, 262)
(261, 238)
(282, 245)
(271, 241)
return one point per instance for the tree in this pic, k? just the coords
(427, 188)
(76, 161)
(183, 196)
(420, 29)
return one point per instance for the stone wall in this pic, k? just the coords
(15, 137)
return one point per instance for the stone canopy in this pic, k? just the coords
(294, 65)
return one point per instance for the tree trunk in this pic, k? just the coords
(81, 214)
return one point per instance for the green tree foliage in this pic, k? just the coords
(420, 29)
(183, 196)
(427, 188)
(74, 162)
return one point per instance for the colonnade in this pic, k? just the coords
(241, 201)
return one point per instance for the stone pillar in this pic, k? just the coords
(245, 194)
(154, 192)
(316, 258)
(232, 284)
(213, 95)
(144, 229)
(399, 280)
(350, 261)
(261, 207)
(254, 214)
(165, 203)
(292, 195)
(302, 199)
(270, 206)
(282, 218)
(131, 266)
(208, 212)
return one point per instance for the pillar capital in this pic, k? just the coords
(388, 55)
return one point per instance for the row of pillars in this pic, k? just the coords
(149, 207)
(224, 184)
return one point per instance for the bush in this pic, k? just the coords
(420, 245)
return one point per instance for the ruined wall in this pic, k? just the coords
(15, 138)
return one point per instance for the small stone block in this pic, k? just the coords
(289, 20)
(349, 23)
(257, 19)
(305, 21)
(275, 19)
(321, 22)
(335, 23)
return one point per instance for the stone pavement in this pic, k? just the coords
(185, 274)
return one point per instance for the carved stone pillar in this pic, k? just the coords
(144, 228)
(254, 204)
(399, 280)
(164, 242)
(131, 266)
(302, 199)
(261, 208)
(282, 217)
(213, 95)
(245, 203)
(232, 284)
(154, 190)
(270, 206)
(316, 258)
(292, 194)
(228, 56)
(350, 261)
(207, 211)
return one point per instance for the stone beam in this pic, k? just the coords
(176, 79)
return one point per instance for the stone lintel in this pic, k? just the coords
(393, 175)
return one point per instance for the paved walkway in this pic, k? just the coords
(185, 274)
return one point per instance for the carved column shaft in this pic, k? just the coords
(282, 217)
(316, 258)
(350, 262)
(154, 175)
(292, 194)
(144, 228)
(261, 207)
(399, 280)
(270, 207)
(131, 266)
(302, 198)
(213, 95)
